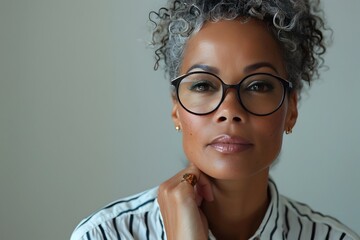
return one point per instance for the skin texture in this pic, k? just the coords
(231, 195)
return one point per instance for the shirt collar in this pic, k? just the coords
(271, 226)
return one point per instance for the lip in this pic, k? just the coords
(230, 144)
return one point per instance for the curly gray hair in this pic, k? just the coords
(297, 24)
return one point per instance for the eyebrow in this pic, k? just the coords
(255, 66)
(247, 69)
(204, 67)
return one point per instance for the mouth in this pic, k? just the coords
(228, 144)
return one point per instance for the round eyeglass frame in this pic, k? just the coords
(287, 85)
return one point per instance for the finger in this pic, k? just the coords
(204, 187)
(181, 185)
(193, 169)
(189, 176)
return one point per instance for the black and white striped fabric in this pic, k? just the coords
(138, 217)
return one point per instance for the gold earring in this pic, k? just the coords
(177, 128)
(288, 131)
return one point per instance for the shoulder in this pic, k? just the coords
(125, 217)
(302, 222)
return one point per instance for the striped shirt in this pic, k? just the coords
(139, 217)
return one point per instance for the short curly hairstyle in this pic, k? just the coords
(298, 25)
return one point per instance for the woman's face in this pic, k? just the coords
(231, 143)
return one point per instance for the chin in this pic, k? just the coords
(234, 171)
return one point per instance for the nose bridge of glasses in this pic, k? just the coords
(228, 87)
(230, 108)
(231, 97)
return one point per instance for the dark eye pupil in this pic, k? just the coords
(255, 87)
(202, 87)
(260, 87)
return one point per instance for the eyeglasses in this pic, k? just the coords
(202, 92)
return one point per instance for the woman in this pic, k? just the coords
(237, 69)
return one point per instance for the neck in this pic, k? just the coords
(238, 207)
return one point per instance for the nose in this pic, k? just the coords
(230, 109)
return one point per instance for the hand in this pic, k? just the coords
(179, 205)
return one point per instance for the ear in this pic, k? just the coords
(292, 112)
(175, 112)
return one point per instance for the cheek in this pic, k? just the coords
(276, 127)
(188, 124)
(192, 133)
(270, 130)
(275, 123)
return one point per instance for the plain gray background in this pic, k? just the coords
(85, 120)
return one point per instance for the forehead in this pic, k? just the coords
(232, 44)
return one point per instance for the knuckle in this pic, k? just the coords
(163, 189)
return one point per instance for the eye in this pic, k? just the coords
(262, 86)
(202, 86)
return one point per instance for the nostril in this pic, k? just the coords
(236, 119)
(222, 119)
